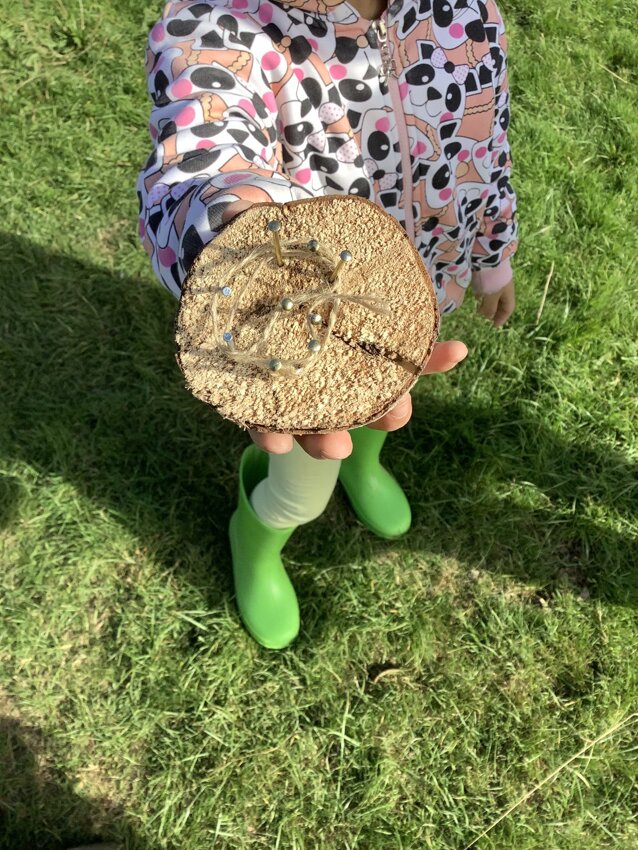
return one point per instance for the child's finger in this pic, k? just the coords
(336, 446)
(274, 444)
(395, 418)
(445, 356)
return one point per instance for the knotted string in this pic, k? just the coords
(262, 257)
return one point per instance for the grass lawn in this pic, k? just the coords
(437, 680)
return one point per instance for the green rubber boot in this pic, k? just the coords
(265, 596)
(375, 495)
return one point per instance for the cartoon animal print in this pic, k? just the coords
(257, 100)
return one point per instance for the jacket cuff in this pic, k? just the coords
(489, 281)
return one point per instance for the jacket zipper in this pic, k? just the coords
(388, 74)
(388, 67)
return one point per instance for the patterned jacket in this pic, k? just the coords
(258, 100)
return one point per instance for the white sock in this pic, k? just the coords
(297, 489)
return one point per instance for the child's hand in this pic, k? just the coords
(337, 446)
(497, 308)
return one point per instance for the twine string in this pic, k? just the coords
(262, 257)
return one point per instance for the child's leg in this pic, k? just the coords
(376, 497)
(276, 494)
(297, 489)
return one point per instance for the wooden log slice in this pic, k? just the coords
(367, 360)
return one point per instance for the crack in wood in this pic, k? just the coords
(375, 350)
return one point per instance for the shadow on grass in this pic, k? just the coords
(510, 495)
(93, 396)
(39, 807)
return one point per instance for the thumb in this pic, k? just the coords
(445, 356)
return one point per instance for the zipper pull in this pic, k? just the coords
(388, 66)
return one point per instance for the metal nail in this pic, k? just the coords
(274, 227)
(344, 257)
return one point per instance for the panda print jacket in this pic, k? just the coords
(256, 100)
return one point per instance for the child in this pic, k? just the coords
(405, 103)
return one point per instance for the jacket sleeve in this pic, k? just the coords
(214, 128)
(497, 238)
